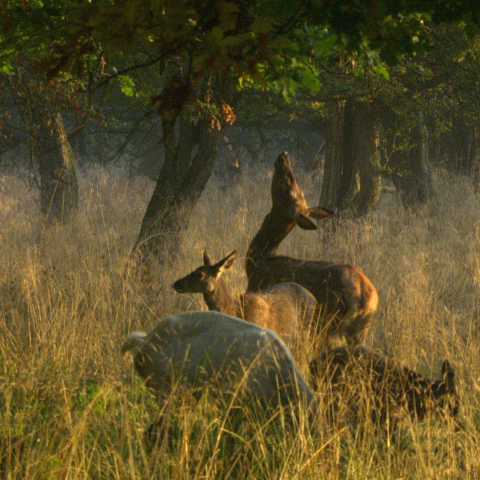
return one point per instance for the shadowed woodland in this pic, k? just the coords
(143, 161)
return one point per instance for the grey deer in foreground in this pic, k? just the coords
(369, 387)
(346, 298)
(196, 349)
(283, 308)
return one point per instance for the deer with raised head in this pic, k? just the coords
(282, 308)
(371, 388)
(346, 298)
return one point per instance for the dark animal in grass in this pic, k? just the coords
(367, 387)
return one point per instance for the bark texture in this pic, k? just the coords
(412, 173)
(352, 177)
(367, 158)
(190, 154)
(56, 166)
(181, 182)
(329, 196)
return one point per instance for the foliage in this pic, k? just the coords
(270, 43)
(339, 49)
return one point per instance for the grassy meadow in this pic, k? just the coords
(72, 408)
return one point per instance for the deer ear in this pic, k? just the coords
(320, 213)
(227, 262)
(207, 261)
(448, 375)
(304, 222)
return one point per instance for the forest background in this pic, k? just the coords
(147, 131)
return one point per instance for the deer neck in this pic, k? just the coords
(220, 300)
(274, 229)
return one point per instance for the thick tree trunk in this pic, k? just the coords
(181, 182)
(56, 166)
(352, 175)
(329, 196)
(412, 174)
(367, 158)
(459, 148)
(420, 163)
(190, 154)
(348, 182)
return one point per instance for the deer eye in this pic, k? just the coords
(200, 275)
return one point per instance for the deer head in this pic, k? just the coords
(288, 197)
(445, 393)
(204, 279)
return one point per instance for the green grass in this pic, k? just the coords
(72, 408)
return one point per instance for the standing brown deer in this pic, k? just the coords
(347, 298)
(280, 308)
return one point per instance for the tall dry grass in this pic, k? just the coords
(71, 407)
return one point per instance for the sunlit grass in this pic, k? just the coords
(72, 408)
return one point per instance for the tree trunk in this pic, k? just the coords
(412, 174)
(181, 182)
(348, 186)
(329, 195)
(458, 147)
(367, 158)
(352, 164)
(56, 166)
(420, 163)
(190, 153)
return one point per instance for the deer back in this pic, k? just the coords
(199, 347)
(284, 308)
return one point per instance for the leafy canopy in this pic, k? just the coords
(266, 43)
